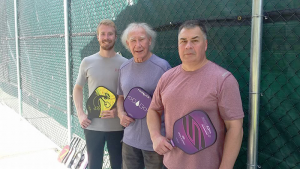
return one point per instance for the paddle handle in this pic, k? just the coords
(172, 143)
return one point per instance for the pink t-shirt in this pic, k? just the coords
(211, 89)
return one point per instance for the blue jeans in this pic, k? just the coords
(134, 158)
(95, 141)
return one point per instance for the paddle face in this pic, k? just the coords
(193, 132)
(101, 99)
(137, 102)
(63, 153)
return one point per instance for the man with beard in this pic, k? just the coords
(101, 69)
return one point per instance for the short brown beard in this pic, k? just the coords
(107, 48)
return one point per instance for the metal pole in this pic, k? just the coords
(66, 21)
(254, 88)
(18, 58)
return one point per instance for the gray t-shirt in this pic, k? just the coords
(101, 71)
(146, 76)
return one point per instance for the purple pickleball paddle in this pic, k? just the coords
(137, 102)
(193, 132)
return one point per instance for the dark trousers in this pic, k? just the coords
(95, 141)
(134, 158)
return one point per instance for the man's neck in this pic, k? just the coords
(140, 60)
(107, 53)
(193, 66)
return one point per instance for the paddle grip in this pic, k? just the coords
(172, 143)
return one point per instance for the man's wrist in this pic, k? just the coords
(79, 113)
(121, 113)
(155, 135)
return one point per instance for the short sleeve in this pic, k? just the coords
(119, 88)
(229, 100)
(82, 75)
(156, 103)
(168, 66)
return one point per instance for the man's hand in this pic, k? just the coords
(161, 145)
(109, 113)
(124, 119)
(83, 120)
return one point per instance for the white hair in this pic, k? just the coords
(149, 31)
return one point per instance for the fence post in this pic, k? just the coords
(18, 58)
(66, 21)
(254, 87)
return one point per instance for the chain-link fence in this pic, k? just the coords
(43, 63)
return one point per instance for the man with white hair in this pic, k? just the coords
(143, 70)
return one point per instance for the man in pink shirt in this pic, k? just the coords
(197, 84)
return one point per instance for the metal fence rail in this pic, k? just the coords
(43, 61)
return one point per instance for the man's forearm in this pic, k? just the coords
(78, 99)
(120, 106)
(232, 145)
(154, 123)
